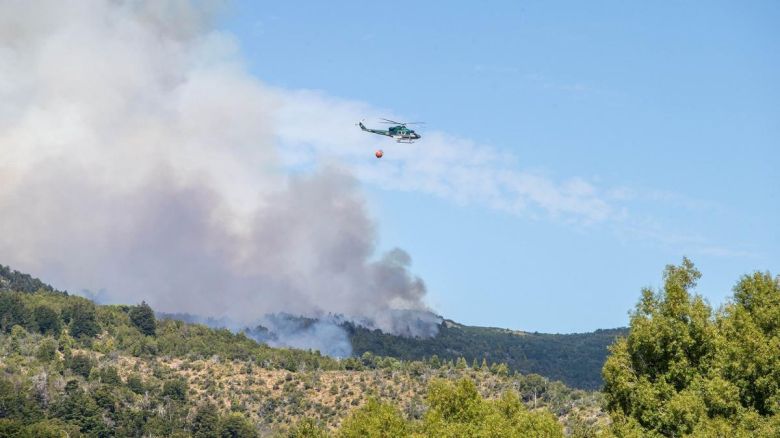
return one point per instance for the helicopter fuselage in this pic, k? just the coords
(400, 133)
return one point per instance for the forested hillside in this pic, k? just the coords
(72, 368)
(69, 367)
(575, 359)
(12, 280)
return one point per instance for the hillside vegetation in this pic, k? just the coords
(12, 280)
(575, 359)
(69, 367)
(76, 368)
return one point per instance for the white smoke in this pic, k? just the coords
(139, 161)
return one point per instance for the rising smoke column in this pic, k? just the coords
(138, 162)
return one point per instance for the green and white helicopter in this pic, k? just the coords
(400, 132)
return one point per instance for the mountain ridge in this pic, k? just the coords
(573, 358)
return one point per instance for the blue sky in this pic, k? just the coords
(672, 113)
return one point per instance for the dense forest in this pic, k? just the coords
(69, 367)
(575, 359)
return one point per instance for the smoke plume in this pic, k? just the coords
(139, 163)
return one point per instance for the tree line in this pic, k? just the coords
(684, 369)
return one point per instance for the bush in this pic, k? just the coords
(109, 376)
(47, 350)
(307, 428)
(374, 419)
(457, 409)
(135, 384)
(235, 425)
(81, 364)
(205, 424)
(176, 389)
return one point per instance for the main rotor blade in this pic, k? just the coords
(401, 123)
(391, 121)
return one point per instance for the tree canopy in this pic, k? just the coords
(685, 369)
(142, 317)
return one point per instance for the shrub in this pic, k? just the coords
(235, 425)
(176, 389)
(81, 364)
(47, 350)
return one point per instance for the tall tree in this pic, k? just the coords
(205, 424)
(13, 311)
(143, 318)
(456, 409)
(750, 355)
(235, 425)
(47, 319)
(651, 376)
(374, 419)
(83, 322)
(682, 370)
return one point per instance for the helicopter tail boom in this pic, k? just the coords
(375, 131)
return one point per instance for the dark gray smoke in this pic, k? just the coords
(139, 163)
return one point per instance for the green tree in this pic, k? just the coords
(78, 408)
(684, 371)
(47, 350)
(83, 322)
(205, 424)
(105, 398)
(143, 319)
(651, 376)
(307, 428)
(110, 376)
(235, 425)
(374, 419)
(532, 387)
(457, 410)
(13, 311)
(81, 364)
(135, 384)
(749, 360)
(176, 389)
(52, 428)
(47, 320)
(11, 427)
(16, 403)
(500, 369)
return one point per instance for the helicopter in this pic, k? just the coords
(400, 132)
